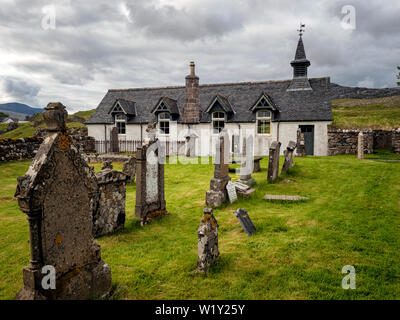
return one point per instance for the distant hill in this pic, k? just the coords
(19, 108)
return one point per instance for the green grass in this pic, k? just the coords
(84, 114)
(298, 251)
(28, 130)
(380, 113)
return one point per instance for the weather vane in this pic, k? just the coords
(301, 30)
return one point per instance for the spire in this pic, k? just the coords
(300, 65)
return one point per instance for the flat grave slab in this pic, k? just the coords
(284, 198)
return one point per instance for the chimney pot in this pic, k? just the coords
(192, 73)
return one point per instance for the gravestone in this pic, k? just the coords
(150, 196)
(360, 146)
(273, 161)
(59, 193)
(191, 145)
(301, 145)
(114, 144)
(207, 241)
(129, 169)
(109, 215)
(236, 145)
(288, 154)
(217, 193)
(245, 221)
(231, 189)
(247, 163)
(243, 189)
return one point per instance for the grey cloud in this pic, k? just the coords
(20, 90)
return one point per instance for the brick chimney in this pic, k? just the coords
(192, 110)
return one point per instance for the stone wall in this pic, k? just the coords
(396, 140)
(344, 141)
(26, 148)
(19, 149)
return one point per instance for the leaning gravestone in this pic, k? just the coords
(288, 153)
(247, 163)
(207, 243)
(360, 146)
(217, 193)
(150, 196)
(273, 161)
(231, 189)
(58, 194)
(245, 221)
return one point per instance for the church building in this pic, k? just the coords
(268, 110)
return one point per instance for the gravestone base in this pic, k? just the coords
(246, 193)
(92, 281)
(217, 193)
(156, 214)
(248, 182)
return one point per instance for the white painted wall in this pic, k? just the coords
(206, 142)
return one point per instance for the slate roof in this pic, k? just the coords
(171, 104)
(312, 105)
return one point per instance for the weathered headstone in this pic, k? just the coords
(243, 189)
(247, 162)
(288, 153)
(109, 215)
(114, 144)
(190, 145)
(301, 145)
(360, 146)
(150, 196)
(245, 221)
(129, 169)
(273, 161)
(207, 241)
(231, 189)
(58, 194)
(217, 193)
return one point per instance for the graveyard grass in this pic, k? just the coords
(298, 251)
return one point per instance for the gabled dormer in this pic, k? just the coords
(123, 106)
(220, 103)
(263, 102)
(166, 105)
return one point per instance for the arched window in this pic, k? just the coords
(163, 119)
(218, 121)
(264, 122)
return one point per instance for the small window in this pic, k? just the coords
(218, 121)
(121, 127)
(163, 119)
(264, 122)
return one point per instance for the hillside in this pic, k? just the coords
(379, 113)
(19, 108)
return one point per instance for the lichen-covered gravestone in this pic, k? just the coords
(150, 197)
(273, 161)
(110, 213)
(301, 145)
(217, 193)
(58, 194)
(288, 153)
(129, 169)
(207, 241)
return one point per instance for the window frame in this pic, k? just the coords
(119, 122)
(219, 120)
(263, 119)
(164, 121)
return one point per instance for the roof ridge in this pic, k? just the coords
(212, 84)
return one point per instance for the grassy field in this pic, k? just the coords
(298, 251)
(381, 113)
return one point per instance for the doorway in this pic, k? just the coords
(308, 138)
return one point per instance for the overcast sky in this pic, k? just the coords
(101, 44)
